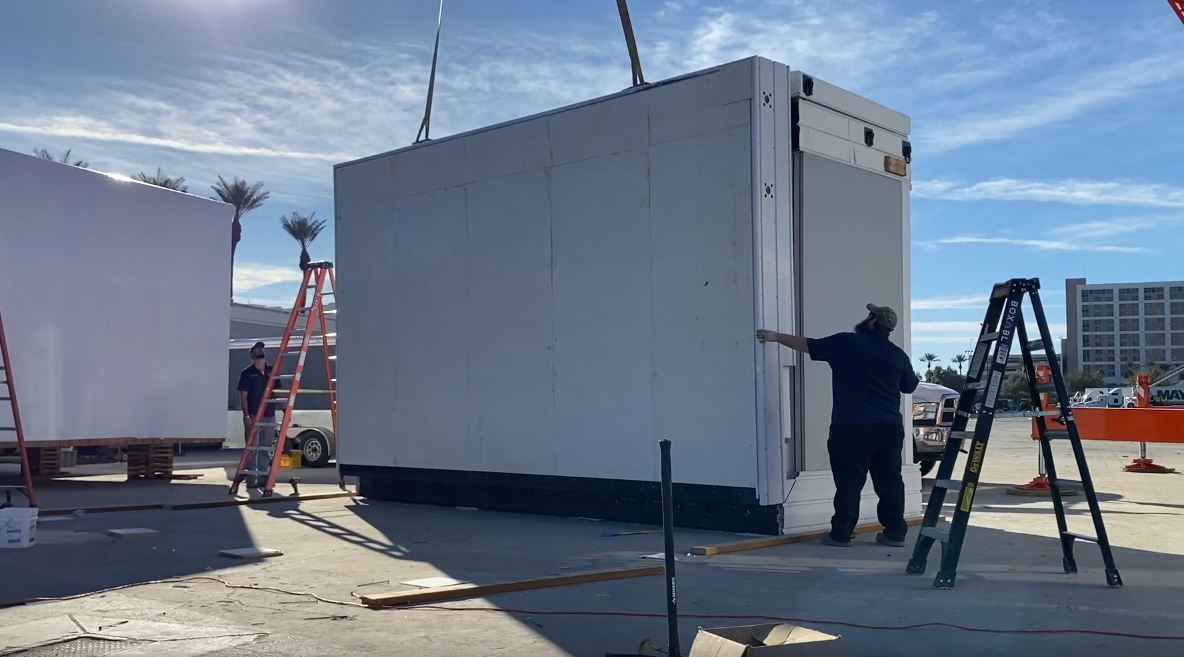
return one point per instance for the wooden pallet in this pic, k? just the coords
(152, 461)
(45, 461)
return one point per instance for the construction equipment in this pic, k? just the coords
(631, 43)
(17, 427)
(306, 321)
(1003, 326)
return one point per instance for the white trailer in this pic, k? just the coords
(115, 302)
(526, 309)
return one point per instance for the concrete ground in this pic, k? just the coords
(1010, 577)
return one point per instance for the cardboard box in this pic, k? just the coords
(772, 640)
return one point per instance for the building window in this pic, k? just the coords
(1178, 339)
(1153, 294)
(1129, 324)
(1153, 308)
(1158, 355)
(1178, 307)
(1177, 292)
(1128, 310)
(1154, 324)
(1098, 340)
(1128, 294)
(1177, 325)
(1178, 354)
(1101, 310)
(1099, 325)
(1155, 339)
(1099, 295)
(1131, 356)
(1129, 340)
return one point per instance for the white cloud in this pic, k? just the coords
(1044, 244)
(1053, 102)
(950, 302)
(251, 275)
(1074, 191)
(946, 326)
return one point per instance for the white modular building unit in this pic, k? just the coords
(114, 296)
(526, 309)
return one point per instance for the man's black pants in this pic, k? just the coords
(855, 450)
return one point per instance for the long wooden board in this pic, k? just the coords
(466, 591)
(773, 541)
(113, 442)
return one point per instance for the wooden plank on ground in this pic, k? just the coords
(466, 591)
(787, 539)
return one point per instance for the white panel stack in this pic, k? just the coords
(524, 310)
(115, 300)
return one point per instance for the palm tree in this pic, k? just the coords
(929, 359)
(958, 360)
(161, 180)
(244, 197)
(44, 154)
(303, 229)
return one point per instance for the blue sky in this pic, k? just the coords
(1047, 134)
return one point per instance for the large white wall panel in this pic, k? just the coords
(116, 300)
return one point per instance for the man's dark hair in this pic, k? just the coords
(870, 325)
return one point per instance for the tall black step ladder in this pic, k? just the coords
(1004, 326)
(260, 461)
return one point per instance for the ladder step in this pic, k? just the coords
(1043, 414)
(952, 484)
(1000, 291)
(5, 398)
(257, 448)
(7, 428)
(936, 534)
(1056, 435)
(333, 357)
(1081, 537)
(331, 311)
(285, 376)
(278, 400)
(962, 413)
(266, 424)
(989, 337)
(1070, 482)
(961, 435)
(256, 472)
(1036, 345)
(975, 385)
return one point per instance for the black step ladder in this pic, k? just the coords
(1003, 326)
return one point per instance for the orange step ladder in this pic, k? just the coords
(8, 394)
(305, 323)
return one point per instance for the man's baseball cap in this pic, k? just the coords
(260, 345)
(884, 315)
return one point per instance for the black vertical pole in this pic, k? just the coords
(668, 530)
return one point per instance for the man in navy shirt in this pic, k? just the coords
(252, 385)
(869, 374)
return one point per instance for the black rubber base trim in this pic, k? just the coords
(724, 508)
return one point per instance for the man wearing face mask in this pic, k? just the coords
(252, 384)
(869, 373)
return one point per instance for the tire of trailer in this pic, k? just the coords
(314, 449)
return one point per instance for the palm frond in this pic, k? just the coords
(44, 154)
(161, 180)
(303, 228)
(238, 193)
